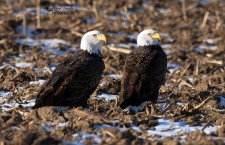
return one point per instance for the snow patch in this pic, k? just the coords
(47, 44)
(53, 42)
(7, 65)
(166, 45)
(136, 108)
(39, 82)
(204, 2)
(29, 103)
(203, 47)
(209, 41)
(23, 55)
(24, 64)
(172, 67)
(107, 97)
(99, 127)
(33, 11)
(164, 34)
(115, 76)
(4, 94)
(8, 106)
(90, 20)
(180, 103)
(43, 70)
(132, 36)
(47, 128)
(168, 52)
(53, 66)
(82, 136)
(166, 128)
(29, 32)
(163, 10)
(51, 126)
(222, 101)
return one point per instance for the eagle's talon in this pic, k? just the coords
(129, 111)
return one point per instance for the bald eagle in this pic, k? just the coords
(76, 78)
(144, 72)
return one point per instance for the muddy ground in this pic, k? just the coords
(193, 38)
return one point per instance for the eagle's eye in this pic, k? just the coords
(151, 34)
(94, 35)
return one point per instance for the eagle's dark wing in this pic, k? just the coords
(72, 82)
(144, 73)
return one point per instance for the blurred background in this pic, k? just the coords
(185, 25)
(184, 21)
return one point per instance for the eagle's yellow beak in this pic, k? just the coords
(156, 36)
(101, 37)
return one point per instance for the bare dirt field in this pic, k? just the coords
(191, 104)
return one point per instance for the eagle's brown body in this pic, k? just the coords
(72, 82)
(144, 73)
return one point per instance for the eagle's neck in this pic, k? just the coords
(92, 48)
(98, 54)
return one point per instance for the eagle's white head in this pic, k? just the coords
(148, 37)
(92, 41)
